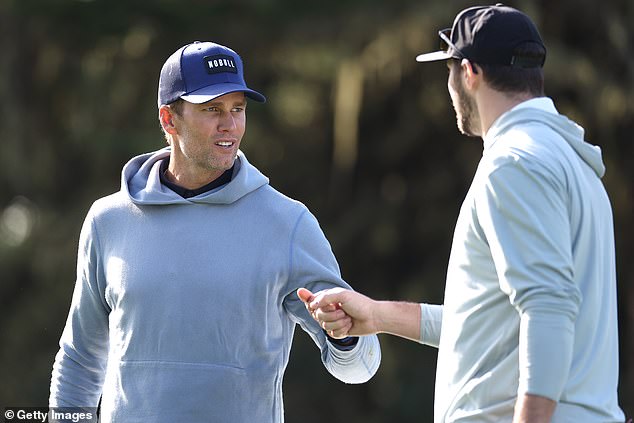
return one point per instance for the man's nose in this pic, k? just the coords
(226, 122)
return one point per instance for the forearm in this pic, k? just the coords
(398, 318)
(344, 313)
(533, 409)
(545, 354)
(546, 340)
(75, 384)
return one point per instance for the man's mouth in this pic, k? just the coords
(225, 144)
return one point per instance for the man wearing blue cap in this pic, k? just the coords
(184, 306)
(528, 328)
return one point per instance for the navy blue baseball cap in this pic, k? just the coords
(489, 35)
(201, 71)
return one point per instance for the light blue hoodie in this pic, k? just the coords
(184, 309)
(530, 302)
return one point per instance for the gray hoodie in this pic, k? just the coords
(184, 309)
(530, 300)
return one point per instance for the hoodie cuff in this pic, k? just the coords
(345, 344)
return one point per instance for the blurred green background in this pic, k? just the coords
(353, 127)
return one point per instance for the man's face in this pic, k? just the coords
(467, 115)
(209, 135)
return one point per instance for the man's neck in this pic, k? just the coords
(187, 192)
(492, 104)
(189, 181)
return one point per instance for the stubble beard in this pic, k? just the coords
(203, 158)
(467, 114)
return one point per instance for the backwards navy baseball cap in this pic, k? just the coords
(202, 71)
(489, 35)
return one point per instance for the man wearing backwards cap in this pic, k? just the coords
(528, 328)
(184, 306)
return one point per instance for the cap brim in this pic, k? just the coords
(206, 94)
(432, 57)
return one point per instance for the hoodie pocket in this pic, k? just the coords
(160, 391)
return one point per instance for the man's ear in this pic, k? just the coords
(166, 117)
(472, 74)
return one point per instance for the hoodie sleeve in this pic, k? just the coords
(522, 210)
(80, 363)
(430, 324)
(313, 266)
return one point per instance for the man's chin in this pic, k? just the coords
(465, 128)
(470, 134)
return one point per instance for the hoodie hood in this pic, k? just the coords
(571, 132)
(140, 180)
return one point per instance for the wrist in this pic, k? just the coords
(343, 344)
(397, 318)
(533, 408)
(381, 316)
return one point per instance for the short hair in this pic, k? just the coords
(177, 108)
(515, 79)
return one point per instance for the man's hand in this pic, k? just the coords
(341, 312)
